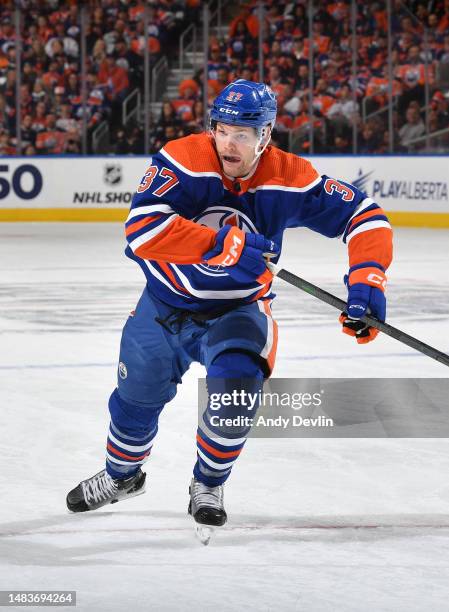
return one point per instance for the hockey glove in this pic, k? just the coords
(366, 286)
(243, 255)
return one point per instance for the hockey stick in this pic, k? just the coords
(334, 301)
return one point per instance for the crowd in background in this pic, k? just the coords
(50, 91)
(51, 109)
(335, 108)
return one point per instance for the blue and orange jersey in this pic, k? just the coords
(184, 198)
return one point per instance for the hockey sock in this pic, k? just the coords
(129, 442)
(235, 374)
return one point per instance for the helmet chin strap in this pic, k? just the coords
(264, 133)
(259, 148)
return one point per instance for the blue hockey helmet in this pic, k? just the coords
(245, 103)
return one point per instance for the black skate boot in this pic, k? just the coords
(102, 489)
(206, 507)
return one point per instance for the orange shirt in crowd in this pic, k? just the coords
(183, 108)
(137, 45)
(323, 103)
(188, 84)
(53, 141)
(412, 74)
(116, 78)
(321, 44)
(378, 86)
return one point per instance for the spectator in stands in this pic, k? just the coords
(238, 43)
(6, 147)
(322, 101)
(302, 79)
(249, 18)
(183, 105)
(341, 145)
(221, 81)
(26, 101)
(440, 104)
(73, 146)
(65, 122)
(72, 87)
(98, 53)
(196, 123)
(138, 40)
(413, 128)
(135, 141)
(345, 106)
(39, 123)
(168, 117)
(276, 80)
(67, 44)
(291, 104)
(131, 61)
(27, 133)
(38, 94)
(120, 142)
(216, 61)
(369, 139)
(113, 78)
(412, 76)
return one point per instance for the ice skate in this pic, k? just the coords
(102, 489)
(207, 509)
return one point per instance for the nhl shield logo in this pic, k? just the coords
(234, 96)
(112, 174)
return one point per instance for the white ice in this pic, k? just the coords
(65, 291)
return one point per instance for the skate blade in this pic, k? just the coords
(204, 533)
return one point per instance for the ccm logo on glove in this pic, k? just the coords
(243, 254)
(231, 249)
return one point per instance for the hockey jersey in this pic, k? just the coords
(184, 198)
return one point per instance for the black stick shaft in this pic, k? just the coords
(334, 301)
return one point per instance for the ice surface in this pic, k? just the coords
(315, 525)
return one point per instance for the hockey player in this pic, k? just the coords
(209, 211)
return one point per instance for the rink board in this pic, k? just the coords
(413, 189)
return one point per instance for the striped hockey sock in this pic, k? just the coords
(125, 453)
(215, 457)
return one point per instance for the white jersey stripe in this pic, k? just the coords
(147, 236)
(364, 204)
(161, 279)
(149, 210)
(213, 295)
(369, 225)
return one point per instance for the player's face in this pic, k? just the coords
(236, 147)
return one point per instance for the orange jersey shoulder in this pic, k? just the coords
(284, 170)
(195, 153)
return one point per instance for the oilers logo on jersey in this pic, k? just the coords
(217, 217)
